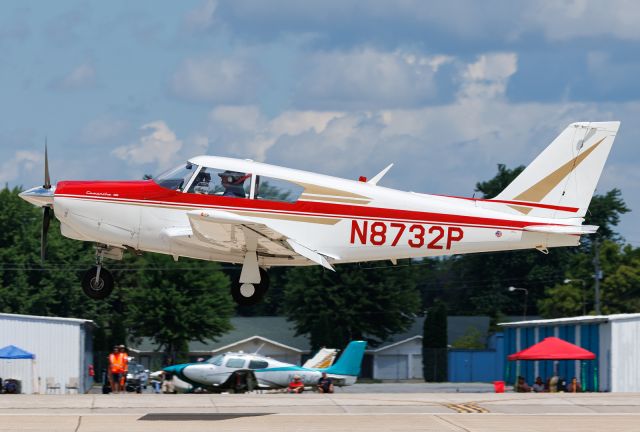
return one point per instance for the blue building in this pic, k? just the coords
(614, 339)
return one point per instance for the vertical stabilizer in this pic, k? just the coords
(560, 182)
(350, 361)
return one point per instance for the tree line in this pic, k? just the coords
(177, 302)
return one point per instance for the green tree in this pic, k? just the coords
(351, 303)
(471, 339)
(434, 344)
(174, 305)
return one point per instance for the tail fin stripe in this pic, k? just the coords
(539, 190)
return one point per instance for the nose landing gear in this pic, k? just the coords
(97, 282)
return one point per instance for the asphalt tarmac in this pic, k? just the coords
(410, 411)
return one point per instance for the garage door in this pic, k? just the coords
(416, 364)
(391, 367)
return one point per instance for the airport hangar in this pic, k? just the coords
(398, 358)
(62, 349)
(614, 339)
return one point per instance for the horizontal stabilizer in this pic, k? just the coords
(563, 229)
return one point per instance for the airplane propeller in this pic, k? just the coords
(48, 211)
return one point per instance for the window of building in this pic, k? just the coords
(273, 189)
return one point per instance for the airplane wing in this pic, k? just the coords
(229, 232)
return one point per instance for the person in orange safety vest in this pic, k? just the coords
(115, 369)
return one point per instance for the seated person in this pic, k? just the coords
(538, 386)
(574, 386)
(296, 386)
(553, 384)
(522, 386)
(325, 384)
(233, 183)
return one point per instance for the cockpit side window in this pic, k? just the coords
(235, 363)
(176, 178)
(258, 364)
(211, 181)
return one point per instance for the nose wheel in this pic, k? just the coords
(248, 294)
(97, 283)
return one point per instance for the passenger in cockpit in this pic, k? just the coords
(233, 183)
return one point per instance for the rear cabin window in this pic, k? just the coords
(269, 188)
(212, 181)
(258, 364)
(235, 363)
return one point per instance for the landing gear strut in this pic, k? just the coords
(97, 282)
(248, 294)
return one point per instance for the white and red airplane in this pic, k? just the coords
(259, 215)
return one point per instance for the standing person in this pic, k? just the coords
(115, 369)
(325, 384)
(124, 360)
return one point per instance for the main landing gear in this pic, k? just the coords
(254, 281)
(248, 294)
(97, 282)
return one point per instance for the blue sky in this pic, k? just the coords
(445, 90)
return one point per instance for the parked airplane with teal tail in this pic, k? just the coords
(239, 372)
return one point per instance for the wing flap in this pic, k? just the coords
(237, 232)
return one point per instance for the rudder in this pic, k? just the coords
(350, 361)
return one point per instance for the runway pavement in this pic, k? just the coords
(314, 412)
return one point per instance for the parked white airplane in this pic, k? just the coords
(241, 372)
(260, 215)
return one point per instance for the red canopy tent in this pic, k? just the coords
(552, 348)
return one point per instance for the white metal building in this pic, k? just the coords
(615, 339)
(62, 347)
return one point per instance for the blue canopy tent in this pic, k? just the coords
(12, 352)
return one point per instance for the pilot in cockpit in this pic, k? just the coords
(233, 183)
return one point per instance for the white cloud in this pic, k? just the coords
(22, 162)
(488, 76)
(103, 129)
(366, 78)
(244, 131)
(81, 77)
(210, 79)
(202, 17)
(160, 145)
(562, 20)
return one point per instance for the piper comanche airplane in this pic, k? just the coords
(259, 215)
(241, 371)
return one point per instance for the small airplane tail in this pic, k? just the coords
(560, 182)
(350, 361)
(323, 359)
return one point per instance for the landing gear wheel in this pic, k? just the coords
(97, 289)
(250, 294)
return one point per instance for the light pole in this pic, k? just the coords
(567, 281)
(526, 296)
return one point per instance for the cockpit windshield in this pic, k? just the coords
(216, 360)
(176, 178)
